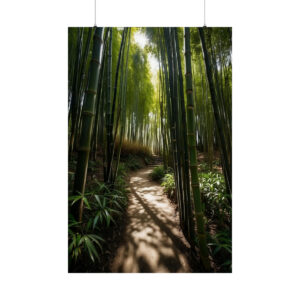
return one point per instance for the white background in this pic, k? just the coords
(33, 149)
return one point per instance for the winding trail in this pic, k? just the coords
(153, 241)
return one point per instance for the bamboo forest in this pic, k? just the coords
(149, 150)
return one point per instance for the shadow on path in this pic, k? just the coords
(153, 241)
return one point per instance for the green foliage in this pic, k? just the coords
(141, 101)
(120, 183)
(85, 242)
(222, 248)
(104, 205)
(82, 242)
(75, 199)
(157, 173)
(218, 211)
(107, 205)
(104, 211)
(205, 167)
(213, 190)
(169, 185)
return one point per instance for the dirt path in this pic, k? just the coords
(152, 241)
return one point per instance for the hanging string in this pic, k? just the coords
(95, 13)
(204, 14)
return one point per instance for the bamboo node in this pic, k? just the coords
(84, 149)
(96, 61)
(88, 113)
(93, 92)
(199, 214)
(99, 38)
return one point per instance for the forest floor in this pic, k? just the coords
(153, 241)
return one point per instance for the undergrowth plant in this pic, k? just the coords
(218, 211)
(107, 205)
(213, 191)
(221, 245)
(157, 173)
(83, 242)
(104, 205)
(168, 184)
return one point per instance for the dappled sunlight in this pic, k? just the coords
(153, 242)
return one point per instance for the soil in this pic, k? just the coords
(152, 241)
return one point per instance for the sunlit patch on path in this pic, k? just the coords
(153, 241)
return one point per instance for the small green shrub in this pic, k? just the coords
(222, 248)
(169, 185)
(105, 212)
(157, 173)
(213, 190)
(106, 204)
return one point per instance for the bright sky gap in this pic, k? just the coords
(141, 39)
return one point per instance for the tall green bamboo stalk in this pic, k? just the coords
(172, 102)
(82, 83)
(108, 107)
(190, 221)
(199, 209)
(75, 99)
(99, 101)
(112, 117)
(88, 113)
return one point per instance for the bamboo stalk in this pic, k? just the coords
(87, 122)
(111, 140)
(199, 209)
(225, 155)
